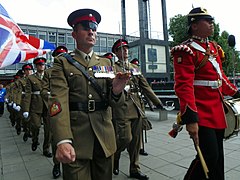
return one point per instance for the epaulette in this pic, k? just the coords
(181, 47)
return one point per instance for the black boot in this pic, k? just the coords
(25, 137)
(139, 175)
(143, 152)
(56, 171)
(116, 167)
(34, 146)
(47, 154)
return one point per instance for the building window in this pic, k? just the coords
(103, 42)
(110, 42)
(52, 37)
(61, 38)
(69, 39)
(32, 33)
(97, 41)
(42, 35)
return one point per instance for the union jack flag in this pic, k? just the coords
(15, 46)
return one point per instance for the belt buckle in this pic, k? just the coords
(219, 82)
(91, 105)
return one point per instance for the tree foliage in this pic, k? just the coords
(178, 31)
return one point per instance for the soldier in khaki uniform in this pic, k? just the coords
(45, 93)
(16, 102)
(80, 112)
(9, 101)
(28, 70)
(34, 107)
(128, 118)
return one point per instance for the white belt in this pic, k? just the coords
(213, 84)
(36, 92)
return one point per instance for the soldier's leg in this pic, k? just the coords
(79, 169)
(35, 122)
(101, 167)
(135, 145)
(12, 116)
(47, 136)
(211, 145)
(123, 138)
(26, 129)
(18, 126)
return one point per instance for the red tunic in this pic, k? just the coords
(204, 101)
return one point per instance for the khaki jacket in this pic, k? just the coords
(33, 101)
(68, 85)
(133, 106)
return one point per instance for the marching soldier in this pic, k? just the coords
(146, 123)
(28, 70)
(80, 104)
(200, 85)
(45, 93)
(34, 107)
(16, 101)
(128, 118)
(9, 101)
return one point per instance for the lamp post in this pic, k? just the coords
(231, 43)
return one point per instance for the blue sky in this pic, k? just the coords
(55, 12)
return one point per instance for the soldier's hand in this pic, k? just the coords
(192, 129)
(14, 105)
(18, 108)
(119, 82)
(10, 104)
(26, 114)
(65, 153)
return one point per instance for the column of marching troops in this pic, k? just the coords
(27, 103)
(28, 109)
(94, 119)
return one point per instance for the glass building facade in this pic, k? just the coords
(62, 36)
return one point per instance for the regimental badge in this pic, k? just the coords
(55, 108)
(103, 72)
(179, 60)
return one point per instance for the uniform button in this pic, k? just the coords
(90, 96)
(89, 82)
(90, 69)
(71, 74)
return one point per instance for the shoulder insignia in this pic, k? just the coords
(181, 47)
(55, 108)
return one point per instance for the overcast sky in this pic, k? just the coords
(54, 13)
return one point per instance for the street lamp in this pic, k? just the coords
(231, 43)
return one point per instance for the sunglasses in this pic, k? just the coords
(87, 25)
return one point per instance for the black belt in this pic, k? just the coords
(89, 106)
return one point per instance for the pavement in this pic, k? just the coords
(168, 157)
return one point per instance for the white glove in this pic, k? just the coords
(18, 108)
(127, 88)
(14, 105)
(6, 100)
(10, 104)
(26, 114)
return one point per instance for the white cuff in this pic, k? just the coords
(64, 141)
